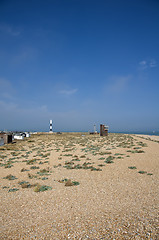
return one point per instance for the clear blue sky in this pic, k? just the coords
(79, 62)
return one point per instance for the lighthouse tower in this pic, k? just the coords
(95, 131)
(50, 126)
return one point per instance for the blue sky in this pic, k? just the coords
(79, 62)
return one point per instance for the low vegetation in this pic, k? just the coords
(50, 153)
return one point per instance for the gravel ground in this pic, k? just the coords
(119, 201)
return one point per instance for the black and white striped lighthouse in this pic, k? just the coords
(50, 125)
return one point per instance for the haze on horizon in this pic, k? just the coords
(79, 62)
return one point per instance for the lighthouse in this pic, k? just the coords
(95, 131)
(50, 126)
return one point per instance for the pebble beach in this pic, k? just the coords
(80, 186)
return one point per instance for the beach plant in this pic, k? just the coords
(104, 153)
(6, 165)
(41, 162)
(28, 152)
(30, 162)
(69, 183)
(69, 163)
(56, 166)
(45, 155)
(24, 170)
(140, 151)
(75, 183)
(101, 165)
(109, 159)
(44, 178)
(10, 177)
(86, 163)
(25, 184)
(13, 190)
(3, 156)
(142, 172)
(95, 169)
(68, 167)
(68, 155)
(42, 188)
(31, 176)
(149, 174)
(14, 153)
(43, 172)
(142, 144)
(132, 167)
(76, 159)
(34, 167)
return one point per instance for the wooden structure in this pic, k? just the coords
(103, 130)
(7, 138)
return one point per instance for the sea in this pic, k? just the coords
(156, 133)
(151, 133)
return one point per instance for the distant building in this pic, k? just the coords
(5, 138)
(27, 134)
(95, 131)
(18, 137)
(1, 141)
(103, 130)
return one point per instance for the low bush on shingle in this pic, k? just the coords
(41, 188)
(142, 172)
(132, 167)
(109, 159)
(13, 190)
(69, 182)
(10, 177)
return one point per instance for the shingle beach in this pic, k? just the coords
(80, 186)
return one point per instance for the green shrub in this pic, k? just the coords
(34, 167)
(68, 182)
(41, 188)
(30, 162)
(25, 184)
(132, 167)
(10, 177)
(13, 190)
(142, 172)
(109, 159)
(23, 170)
